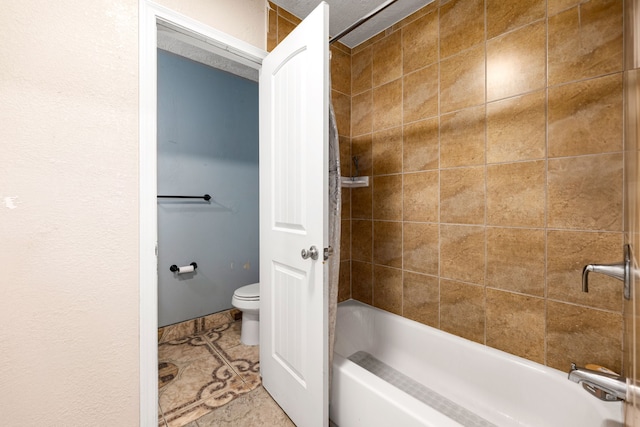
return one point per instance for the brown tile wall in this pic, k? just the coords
(492, 132)
(281, 23)
(632, 204)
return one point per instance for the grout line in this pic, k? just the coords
(164, 420)
(545, 343)
(402, 209)
(486, 189)
(439, 117)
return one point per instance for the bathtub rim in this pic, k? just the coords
(612, 412)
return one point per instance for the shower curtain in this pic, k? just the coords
(335, 218)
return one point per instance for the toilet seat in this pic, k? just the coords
(248, 293)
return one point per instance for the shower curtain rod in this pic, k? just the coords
(362, 20)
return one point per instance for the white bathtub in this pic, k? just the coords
(499, 388)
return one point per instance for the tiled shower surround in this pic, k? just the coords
(492, 132)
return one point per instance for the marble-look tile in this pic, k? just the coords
(209, 373)
(387, 289)
(421, 298)
(387, 105)
(461, 26)
(567, 254)
(462, 254)
(387, 151)
(420, 196)
(177, 331)
(342, 108)
(462, 310)
(342, 47)
(253, 409)
(556, 6)
(387, 197)
(225, 336)
(462, 195)
(272, 32)
(462, 138)
(420, 148)
(362, 281)
(516, 128)
(362, 240)
(345, 240)
(505, 16)
(214, 320)
(188, 348)
(369, 42)
(346, 203)
(516, 324)
(516, 62)
(245, 362)
(586, 117)
(387, 243)
(203, 407)
(420, 42)
(425, 10)
(585, 192)
(284, 27)
(516, 260)
(340, 71)
(344, 281)
(421, 247)
(585, 41)
(387, 59)
(516, 194)
(583, 335)
(167, 372)
(361, 202)
(361, 113)
(345, 155)
(420, 94)
(462, 80)
(362, 148)
(361, 71)
(283, 13)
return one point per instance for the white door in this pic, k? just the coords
(294, 127)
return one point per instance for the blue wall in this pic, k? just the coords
(207, 143)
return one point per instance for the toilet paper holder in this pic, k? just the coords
(174, 268)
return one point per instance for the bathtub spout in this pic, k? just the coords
(607, 387)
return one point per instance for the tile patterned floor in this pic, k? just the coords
(205, 371)
(254, 409)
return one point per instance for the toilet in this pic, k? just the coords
(247, 300)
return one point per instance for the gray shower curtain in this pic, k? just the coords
(335, 218)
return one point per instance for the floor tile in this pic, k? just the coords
(200, 373)
(245, 361)
(225, 336)
(253, 409)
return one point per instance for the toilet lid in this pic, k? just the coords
(249, 292)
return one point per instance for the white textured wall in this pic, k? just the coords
(68, 205)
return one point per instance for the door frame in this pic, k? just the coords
(150, 14)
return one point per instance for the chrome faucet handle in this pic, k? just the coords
(612, 270)
(619, 271)
(603, 385)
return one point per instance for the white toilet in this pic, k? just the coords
(247, 300)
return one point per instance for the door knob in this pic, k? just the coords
(620, 271)
(311, 253)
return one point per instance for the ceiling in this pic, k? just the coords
(343, 13)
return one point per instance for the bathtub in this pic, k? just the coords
(469, 384)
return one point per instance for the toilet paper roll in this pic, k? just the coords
(185, 269)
